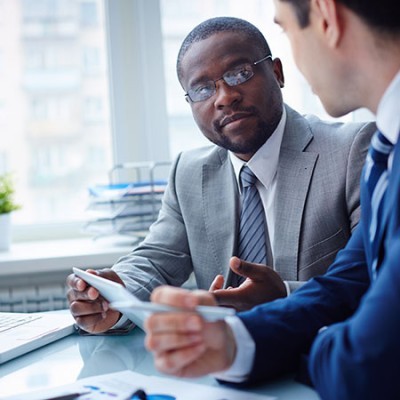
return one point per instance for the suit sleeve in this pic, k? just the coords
(359, 358)
(284, 330)
(355, 162)
(163, 258)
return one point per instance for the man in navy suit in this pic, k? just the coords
(346, 322)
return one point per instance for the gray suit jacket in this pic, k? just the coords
(316, 208)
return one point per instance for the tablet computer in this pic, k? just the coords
(136, 310)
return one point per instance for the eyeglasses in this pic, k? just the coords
(241, 74)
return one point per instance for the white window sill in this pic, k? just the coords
(61, 255)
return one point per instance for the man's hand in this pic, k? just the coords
(262, 285)
(183, 343)
(90, 310)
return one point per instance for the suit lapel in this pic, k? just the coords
(295, 169)
(391, 194)
(391, 198)
(220, 208)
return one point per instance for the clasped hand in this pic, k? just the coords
(183, 343)
(90, 310)
(262, 284)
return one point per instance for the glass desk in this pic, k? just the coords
(76, 356)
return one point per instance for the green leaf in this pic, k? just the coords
(7, 203)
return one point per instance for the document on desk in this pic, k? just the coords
(122, 385)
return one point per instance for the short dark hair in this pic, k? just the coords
(302, 11)
(384, 16)
(221, 24)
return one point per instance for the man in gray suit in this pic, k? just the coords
(308, 173)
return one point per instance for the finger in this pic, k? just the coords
(205, 298)
(255, 272)
(83, 308)
(179, 362)
(76, 283)
(173, 296)
(79, 289)
(97, 323)
(94, 316)
(89, 294)
(227, 297)
(89, 322)
(215, 352)
(180, 322)
(218, 283)
(171, 341)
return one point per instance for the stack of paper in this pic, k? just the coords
(125, 208)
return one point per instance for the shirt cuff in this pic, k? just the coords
(324, 328)
(245, 352)
(120, 323)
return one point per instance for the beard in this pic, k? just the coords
(246, 143)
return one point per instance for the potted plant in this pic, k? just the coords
(7, 206)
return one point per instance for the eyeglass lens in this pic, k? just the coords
(233, 77)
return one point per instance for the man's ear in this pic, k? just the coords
(278, 71)
(327, 15)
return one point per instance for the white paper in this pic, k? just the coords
(120, 385)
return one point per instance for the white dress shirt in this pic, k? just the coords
(264, 165)
(388, 115)
(388, 122)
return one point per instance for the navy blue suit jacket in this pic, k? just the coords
(358, 355)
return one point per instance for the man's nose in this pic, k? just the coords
(225, 95)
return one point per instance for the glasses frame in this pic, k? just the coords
(189, 99)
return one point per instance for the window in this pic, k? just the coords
(57, 87)
(92, 60)
(89, 16)
(49, 103)
(93, 109)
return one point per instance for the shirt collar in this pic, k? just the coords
(388, 115)
(264, 163)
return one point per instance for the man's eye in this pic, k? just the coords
(204, 89)
(242, 74)
(238, 76)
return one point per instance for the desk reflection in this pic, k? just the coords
(76, 357)
(106, 354)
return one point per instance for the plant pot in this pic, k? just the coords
(5, 231)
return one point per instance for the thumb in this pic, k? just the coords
(255, 272)
(218, 283)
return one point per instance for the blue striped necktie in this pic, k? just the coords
(376, 178)
(252, 239)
